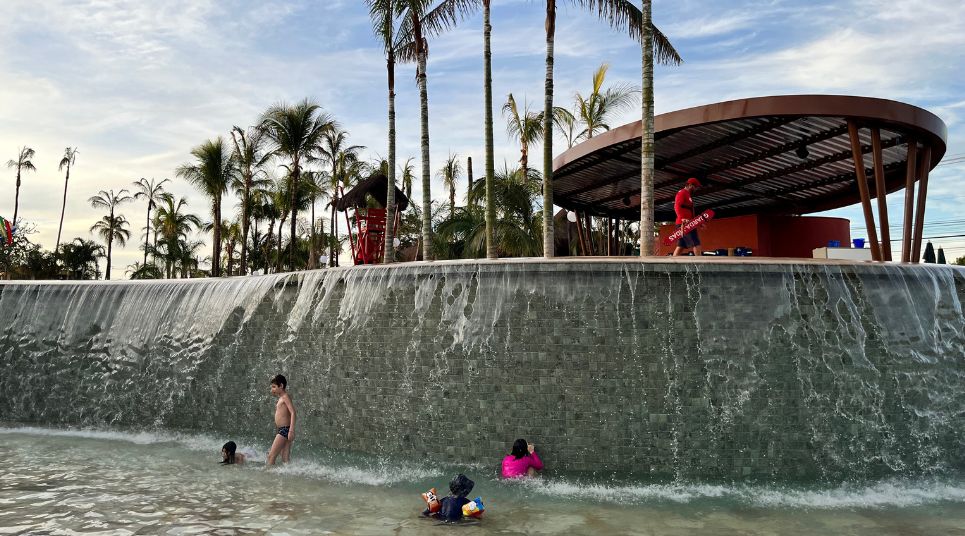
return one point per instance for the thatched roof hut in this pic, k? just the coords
(377, 187)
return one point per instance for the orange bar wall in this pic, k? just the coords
(768, 236)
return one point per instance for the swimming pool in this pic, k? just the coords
(110, 482)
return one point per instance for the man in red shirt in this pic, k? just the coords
(683, 206)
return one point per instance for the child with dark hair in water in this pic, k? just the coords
(451, 509)
(230, 454)
(522, 461)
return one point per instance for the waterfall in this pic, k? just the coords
(678, 371)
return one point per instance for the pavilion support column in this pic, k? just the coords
(924, 166)
(909, 218)
(862, 179)
(881, 194)
(579, 234)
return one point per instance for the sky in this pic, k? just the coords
(135, 85)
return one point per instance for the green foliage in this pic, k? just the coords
(960, 261)
(79, 259)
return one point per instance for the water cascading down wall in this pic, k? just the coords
(673, 370)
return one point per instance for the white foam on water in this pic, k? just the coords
(195, 442)
(377, 476)
(885, 494)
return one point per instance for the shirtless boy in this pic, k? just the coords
(284, 421)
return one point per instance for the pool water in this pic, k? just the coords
(119, 483)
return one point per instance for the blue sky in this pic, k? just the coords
(136, 84)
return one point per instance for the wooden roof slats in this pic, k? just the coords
(747, 158)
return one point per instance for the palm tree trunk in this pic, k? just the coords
(331, 245)
(291, 238)
(63, 208)
(468, 178)
(388, 254)
(216, 254)
(490, 165)
(646, 139)
(245, 216)
(548, 236)
(452, 196)
(147, 229)
(424, 123)
(281, 225)
(107, 273)
(16, 200)
(311, 245)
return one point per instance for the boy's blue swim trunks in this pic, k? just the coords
(283, 431)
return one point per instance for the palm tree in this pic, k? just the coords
(174, 224)
(250, 158)
(384, 14)
(22, 163)
(212, 172)
(595, 110)
(450, 173)
(152, 191)
(316, 183)
(143, 271)
(345, 164)
(231, 234)
(621, 15)
(295, 132)
(652, 43)
(112, 226)
(565, 123)
(443, 17)
(525, 129)
(408, 175)
(416, 48)
(70, 157)
(516, 230)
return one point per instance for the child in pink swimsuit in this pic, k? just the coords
(523, 461)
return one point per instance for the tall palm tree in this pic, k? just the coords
(295, 132)
(345, 164)
(112, 226)
(151, 191)
(212, 171)
(22, 163)
(595, 110)
(416, 48)
(384, 14)
(70, 157)
(654, 46)
(174, 224)
(450, 173)
(621, 15)
(443, 17)
(525, 128)
(250, 157)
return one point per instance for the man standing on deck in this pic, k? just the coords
(683, 206)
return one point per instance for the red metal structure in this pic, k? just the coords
(368, 236)
(368, 243)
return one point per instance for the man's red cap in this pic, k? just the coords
(694, 181)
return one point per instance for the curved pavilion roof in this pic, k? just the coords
(746, 154)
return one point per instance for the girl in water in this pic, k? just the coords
(230, 456)
(522, 461)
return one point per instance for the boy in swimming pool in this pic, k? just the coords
(284, 421)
